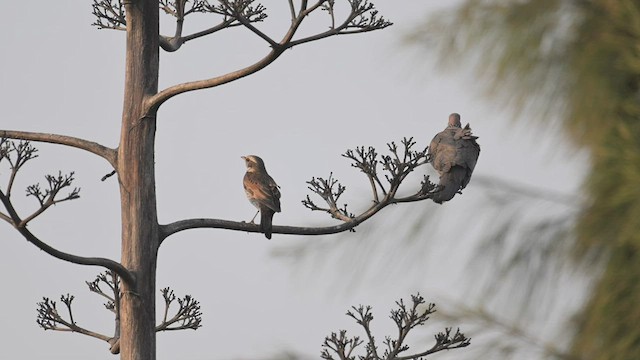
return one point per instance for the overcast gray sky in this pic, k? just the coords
(60, 75)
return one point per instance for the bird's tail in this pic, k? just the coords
(266, 217)
(450, 182)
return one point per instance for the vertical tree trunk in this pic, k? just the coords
(137, 183)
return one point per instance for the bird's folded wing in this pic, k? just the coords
(262, 191)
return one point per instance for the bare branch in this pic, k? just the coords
(80, 260)
(235, 13)
(246, 13)
(50, 319)
(106, 153)
(292, 8)
(48, 197)
(109, 14)
(445, 340)
(108, 175)
(110, 280)
(366, 161)
(227, 23)
(406, 318)
(329, 8)
(398, 166)
(182, 225)
(6, 218)
(24, 152)
(188, 315)
(155, 101)
(341, 345)
(363, 17)
(326, 190)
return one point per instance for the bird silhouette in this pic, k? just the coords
(262, 191)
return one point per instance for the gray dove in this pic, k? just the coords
(454, 153)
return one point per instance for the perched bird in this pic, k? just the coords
(261, 191)
(454, 153)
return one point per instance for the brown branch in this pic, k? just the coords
(444, 341)
(292, 8)
(223, 25)
(187, 224)
(357, 19)
(104, 152)
(242, 13)
(188, 315)
(50, 319)
(154, 102)
(109, 14)
(406, 319)
(48, 197)
(19, 225)
(6, 218)
(113, 284)
(23, 153)
(182, 225)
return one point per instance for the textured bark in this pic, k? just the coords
(137, 183)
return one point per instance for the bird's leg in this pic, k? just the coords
(254, 217)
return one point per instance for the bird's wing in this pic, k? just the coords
(443, 151)
(263, 190)
(275, 192)
(467, 152)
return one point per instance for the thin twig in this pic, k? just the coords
(406, 319)
(50, 319)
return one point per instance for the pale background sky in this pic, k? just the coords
(60, 75)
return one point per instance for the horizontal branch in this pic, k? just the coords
(80, 330)
(90, 146)
(175, 227)
(19, 225)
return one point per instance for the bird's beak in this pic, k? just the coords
(243, 158)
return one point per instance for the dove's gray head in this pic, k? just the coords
(454, 120)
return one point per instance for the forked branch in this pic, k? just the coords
(361, 17)
(396, 166)
(188, 315)
(330, 190)
(109, 14)
(17, 156)
(406, 318)
(50, 319)
(107, 285)
(234, 13)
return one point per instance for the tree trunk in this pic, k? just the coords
(137, 183)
